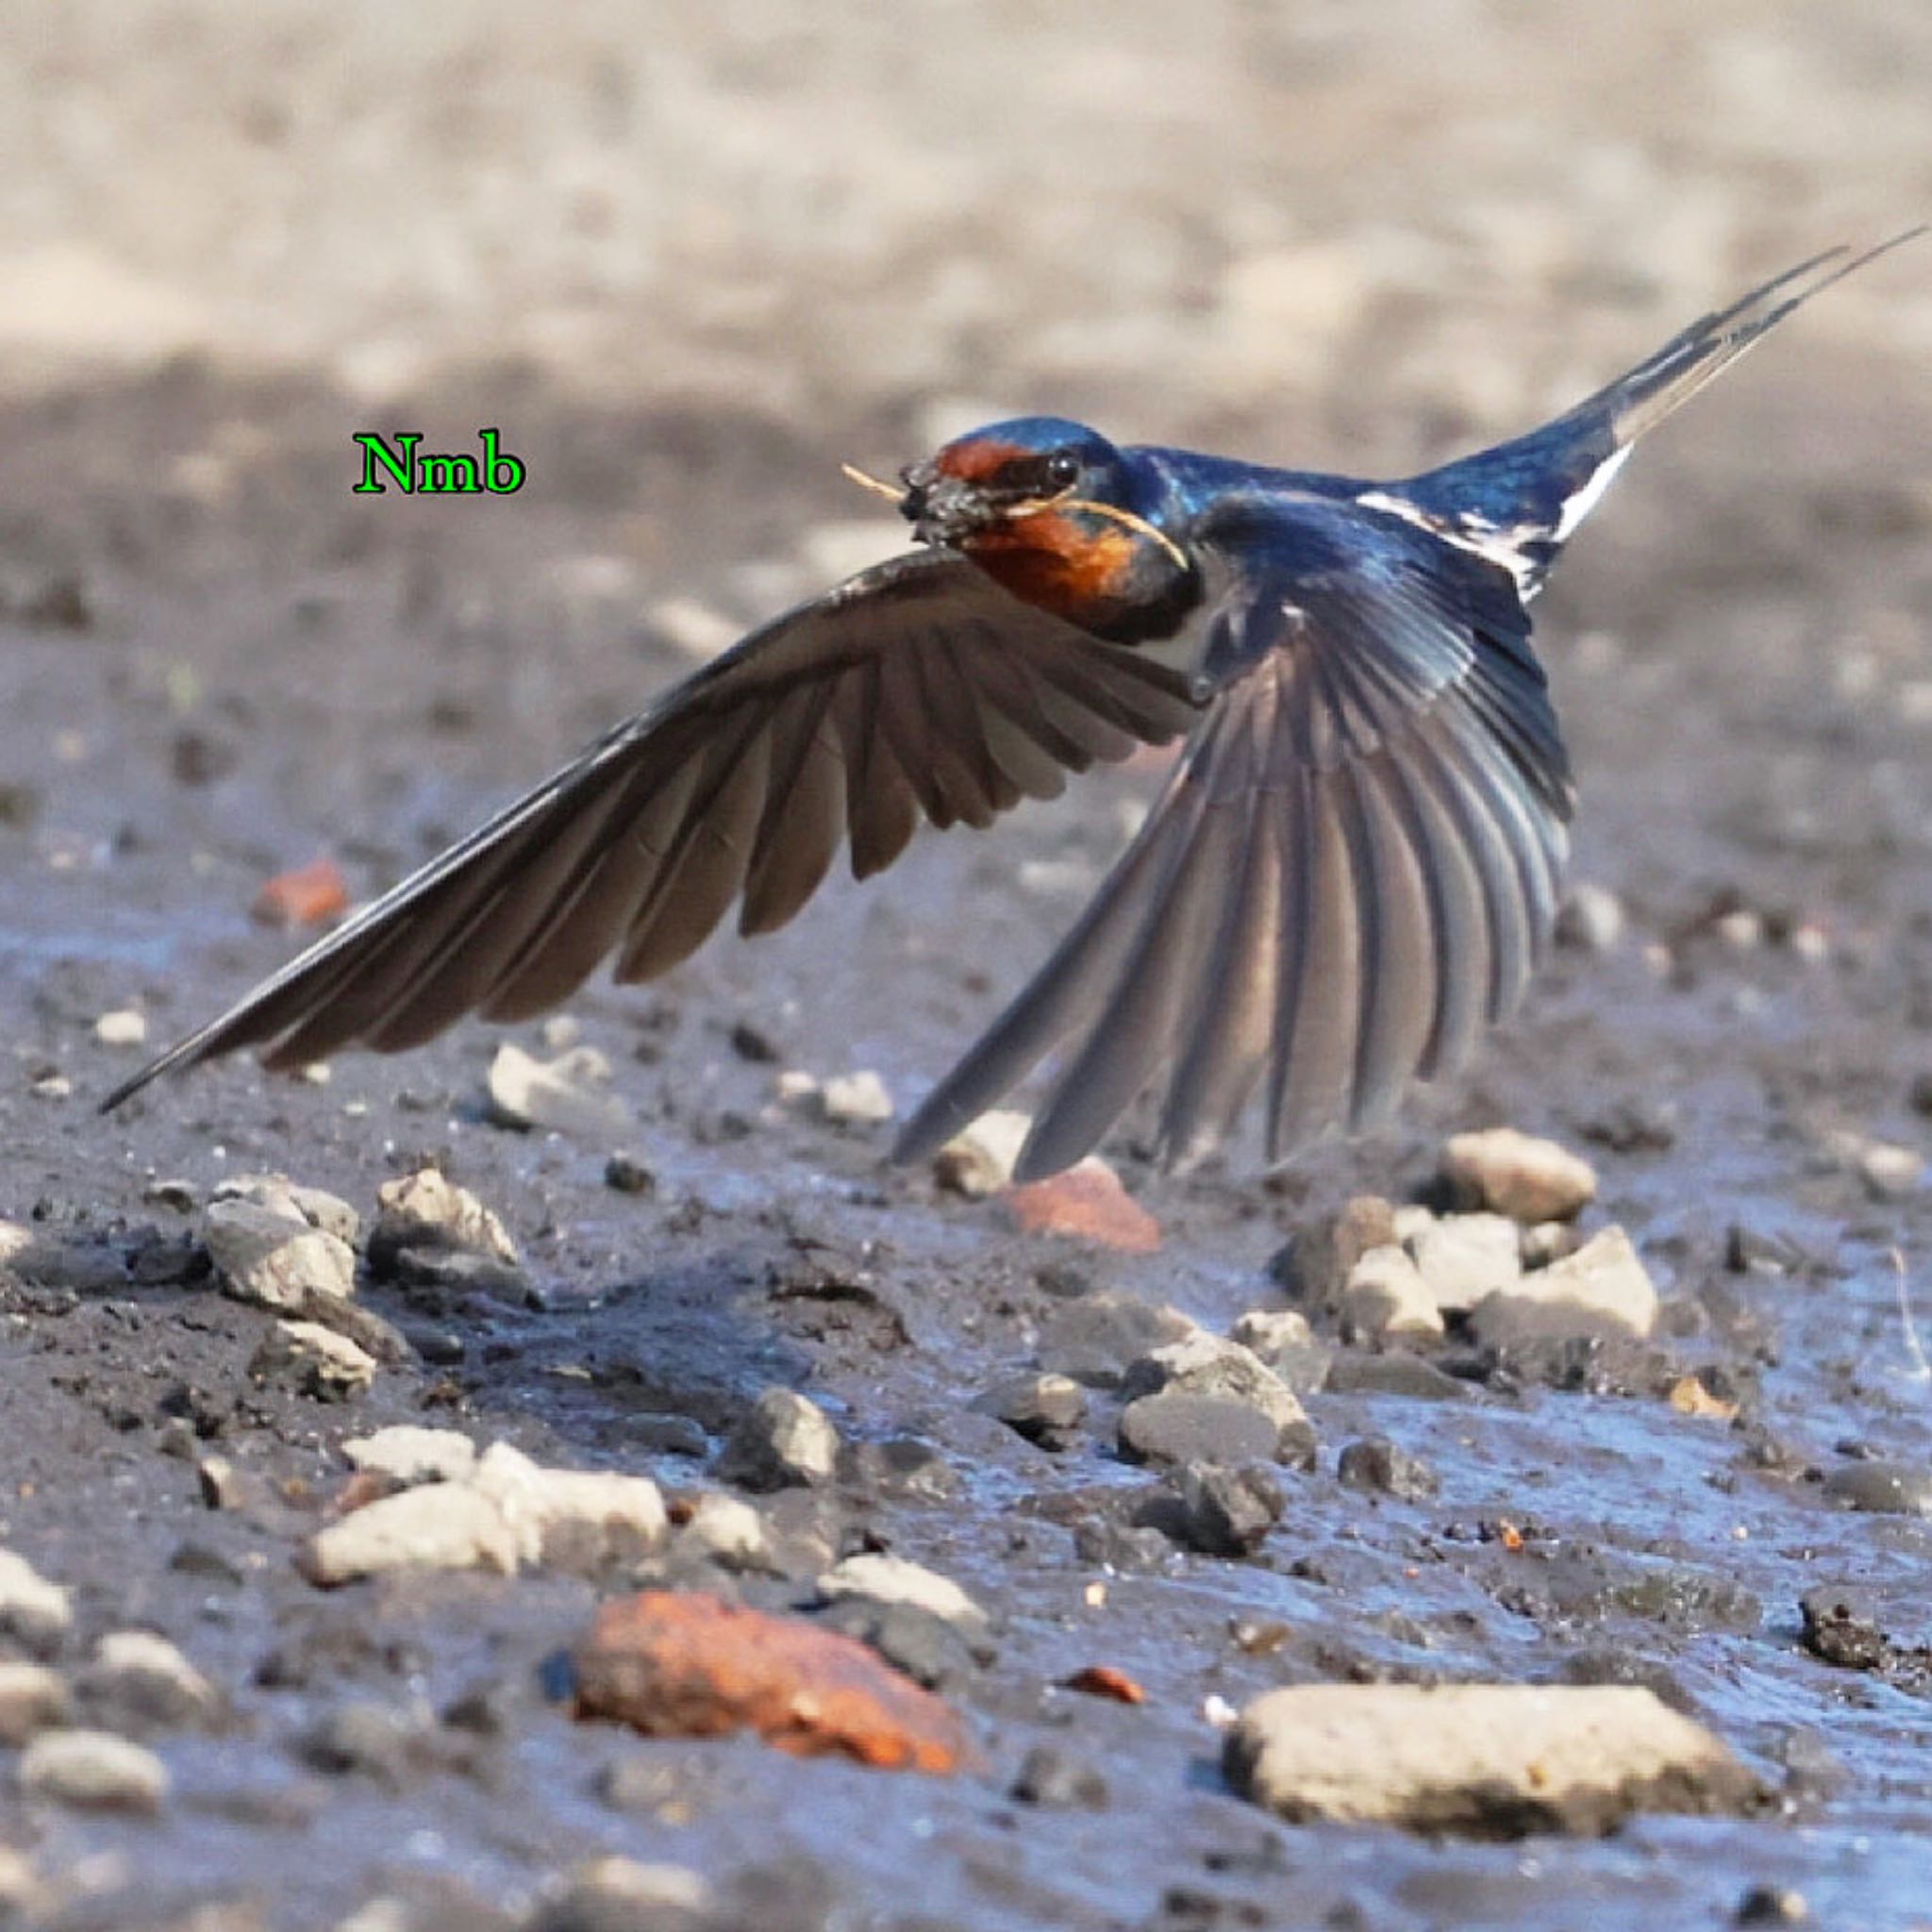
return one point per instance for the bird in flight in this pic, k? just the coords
(1353, 867)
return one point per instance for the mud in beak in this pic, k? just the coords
(943, 509)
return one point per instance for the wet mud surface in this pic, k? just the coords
(218, 664)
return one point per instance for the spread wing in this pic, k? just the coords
(916, 689)
(1351, 869)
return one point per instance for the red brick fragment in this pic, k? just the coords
(1088, 1202)
(681, 1664)
(1103, 1680)
(305, 896)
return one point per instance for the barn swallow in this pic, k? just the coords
(1351, 868)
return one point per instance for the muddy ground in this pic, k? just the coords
(686, 267)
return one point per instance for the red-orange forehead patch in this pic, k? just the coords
(978, 458)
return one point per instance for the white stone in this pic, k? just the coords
(319, 1209)
(32, 1699)
(276, 1261)
(1459, 1755)
(32, 1609)
(1202, 1364)
(1518, 1175)
(94, 1770)
(412, 1455)
(126, 1026)
(979, 1159)
(1466, 1257)
(560, 1094)
(1387, 1297)
(427, 1209)
(121, 1655)
(437, 1526)
(1603, 1281)
(889, 1580)
(858, 1099)
(317, 1360)
(729, 1530)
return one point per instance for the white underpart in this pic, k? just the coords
(1584, 500)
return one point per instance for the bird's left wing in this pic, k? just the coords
(1351, 868)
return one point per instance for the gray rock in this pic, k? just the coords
(1355, 1371)
(35, 1614)
(1842, 1628)
(32, 1699)
(1492, 1759)
(1882, 1487)
(92, 1771)
(381, 1742)
(1322, 1253)
(1205, 1364)
(784, 1440)
(1171, 1427)
(1377, 1465)
(1094, 1338)
(562, 1094)
(314, 1360)
(625, 1174)
(1045, 1408)
(1127, 1549)
(1602, 1289)
(1387, 1300)
(276, 1260)
(931, 1650)
(1516, 1175)
(1056, 1780)
(1224, 1512)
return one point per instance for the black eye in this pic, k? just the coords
(1062, 470)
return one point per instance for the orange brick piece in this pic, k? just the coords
(305, 896)
(1103, 1680)
(1088, 1202)
(680, 1664)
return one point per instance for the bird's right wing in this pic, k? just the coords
(1353, 867)
(918, 689)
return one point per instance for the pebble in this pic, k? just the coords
(1355, 1371)
(1841, 1627)
(858, 1099)
(276, 1259)
(1283, 1339)
(504, 1514)
(1174, 1427)
(1463, 1256)
(1205, 1364)
(1386, 1299)
(782, 1441)
(729, 1531)
(426, 1212)
(35, 1613)
(1516, 1175)
(1057, 1780)
(1096, 1337)
(94, 1771)
(1224, 1512)
(413, 1455)
(1771, 1905)
(1882, 1487)
(978, 1161)
(614, 1894)
(625, 1174)
(1377, 1464)
(126, 1026)
(1045, 1408)
(382, 1741)
(1489, 1760)
(1603, 1286)
(934, 1653)
(1321, 1254)
(1590, 918)
(889, 1579)
(32, 1699)
(319, 1209)
(139, 1681)
(316, 1360)
(559, 1094)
